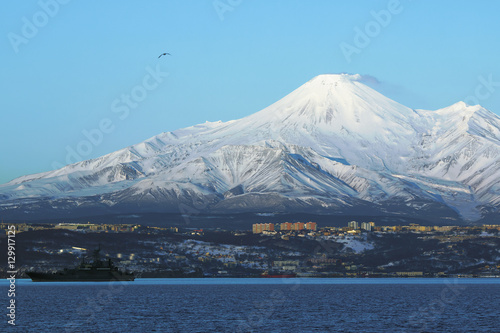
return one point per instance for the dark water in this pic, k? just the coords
(257, 305)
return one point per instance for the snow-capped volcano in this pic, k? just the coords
(334, 145)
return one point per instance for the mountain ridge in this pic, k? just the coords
(329, 146)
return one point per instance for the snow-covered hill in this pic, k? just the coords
(334, 145)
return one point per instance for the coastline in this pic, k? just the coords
(264, 281)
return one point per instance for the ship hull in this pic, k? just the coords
(91, 276)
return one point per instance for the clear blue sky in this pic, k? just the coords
(66, 67)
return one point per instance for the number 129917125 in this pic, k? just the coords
(11, 248)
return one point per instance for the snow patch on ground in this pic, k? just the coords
(357, 245)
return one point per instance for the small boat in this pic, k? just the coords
(96, 270)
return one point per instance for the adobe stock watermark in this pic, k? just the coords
(262, 312)
(121, 107)
(189, 211)
(483, 90)
(88, 313)
(428, 316)
(373, 28)
(31, 26)
(223, 6)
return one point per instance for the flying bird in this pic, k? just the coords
(164, 54)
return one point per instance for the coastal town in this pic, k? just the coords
(299, 249)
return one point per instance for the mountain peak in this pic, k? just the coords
(335, 78)
(336, 98)
(462, 105)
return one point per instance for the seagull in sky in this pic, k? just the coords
(163, 54)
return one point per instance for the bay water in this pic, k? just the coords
(255, 305)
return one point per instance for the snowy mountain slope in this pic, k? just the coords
(330, 146)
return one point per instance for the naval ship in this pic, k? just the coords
(95, 270)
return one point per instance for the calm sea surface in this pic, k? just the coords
(256, 305)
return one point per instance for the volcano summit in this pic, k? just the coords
(332, 146)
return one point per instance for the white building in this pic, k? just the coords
(353, 225)
(366, 226)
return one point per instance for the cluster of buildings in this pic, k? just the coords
(354, 227)
(97, 227)
(259, 228)
(327, 252)
(94, 228)
(368, 226)
(83, 227)
(266, 228)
